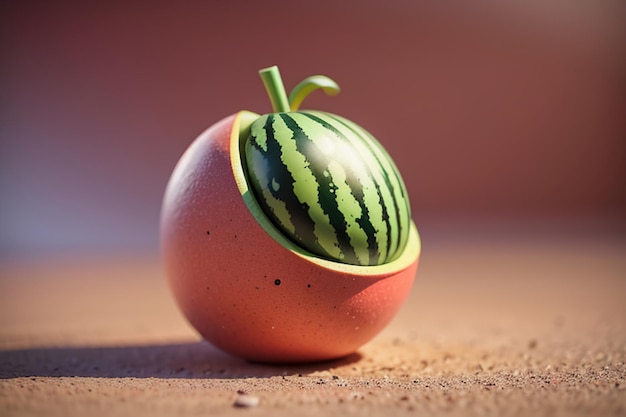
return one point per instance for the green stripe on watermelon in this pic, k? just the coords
(324, 189)
(306, 188)
(256, 154)
(278, 180)
(394, 182)
(386, 202)
(362, 186)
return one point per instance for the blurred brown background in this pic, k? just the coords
(493, 113)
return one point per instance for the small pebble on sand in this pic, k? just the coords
(246, 401)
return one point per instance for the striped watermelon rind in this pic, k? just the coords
(240, 132)
(329, 186)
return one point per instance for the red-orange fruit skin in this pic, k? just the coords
(246, 293)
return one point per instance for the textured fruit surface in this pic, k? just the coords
(245, 287)
(329, 186)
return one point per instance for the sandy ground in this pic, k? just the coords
(533, 326)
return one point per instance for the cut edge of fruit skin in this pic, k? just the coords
(239, 133)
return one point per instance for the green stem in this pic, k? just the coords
(306, 86)
(275, 89)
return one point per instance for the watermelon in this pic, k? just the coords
(329, 186)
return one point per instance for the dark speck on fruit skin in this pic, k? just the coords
(277, 282)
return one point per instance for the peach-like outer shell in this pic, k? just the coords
(222, 267)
